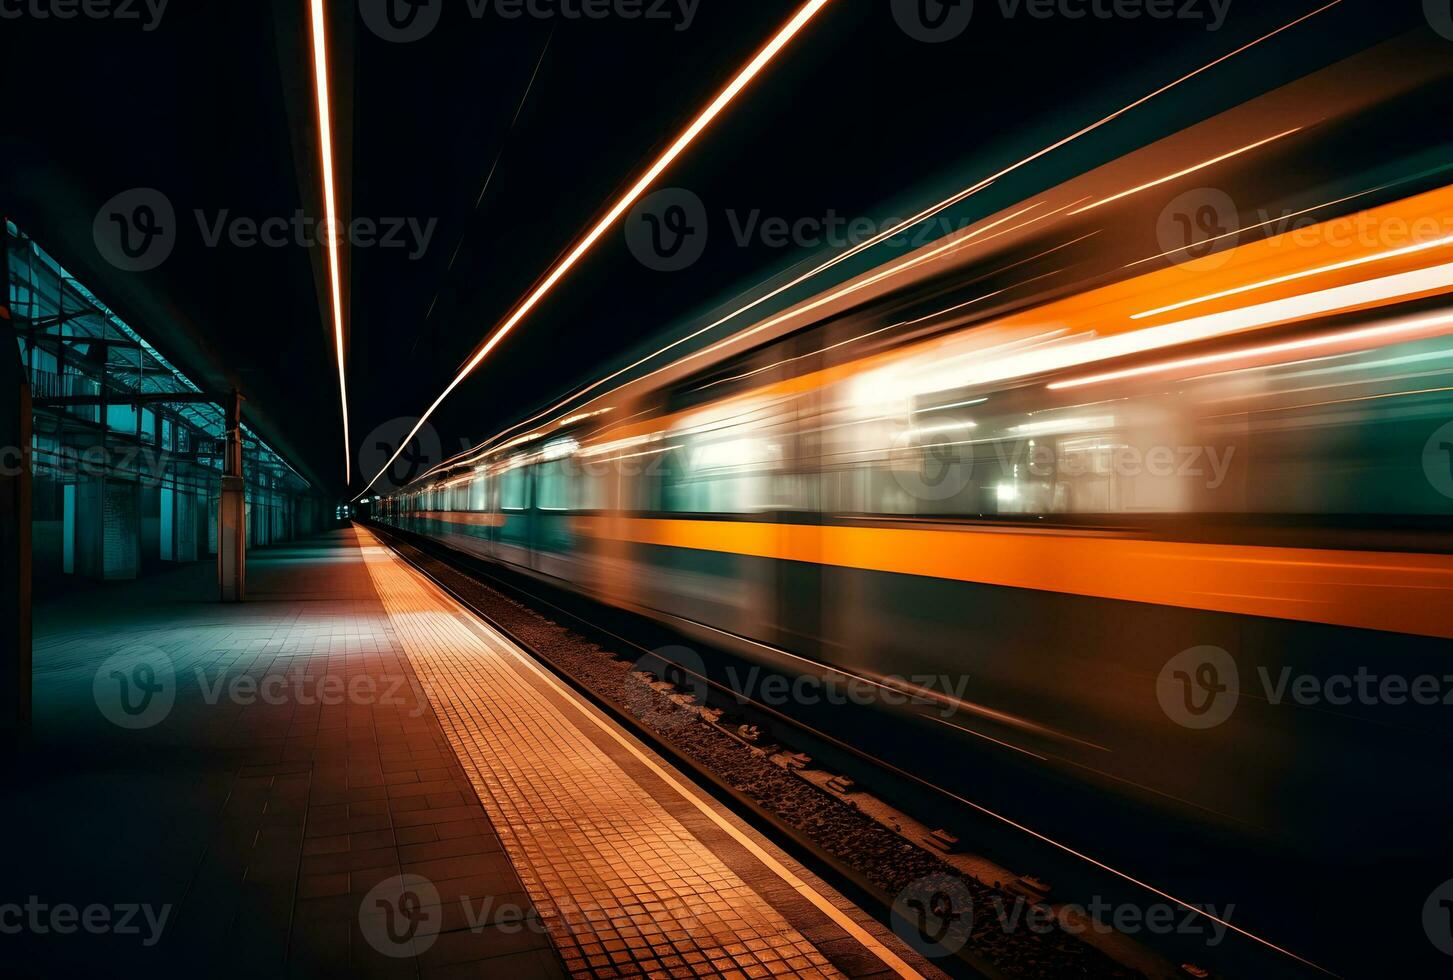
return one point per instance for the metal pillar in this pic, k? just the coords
(232, 512)
(15, 554)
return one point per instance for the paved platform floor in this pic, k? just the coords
(352, 775)
(243, 776)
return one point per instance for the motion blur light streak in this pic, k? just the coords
(330, 203)
(1294, 276)
(1372, 398)
(875, 278)
(977, 734)
(1184, 173)
(897, 229)
(905, 323)
(1282, 219)
(795, 311)
(930, 430)
(702, 121)
(1061, 348)
(1429, 326)
(1405, 285)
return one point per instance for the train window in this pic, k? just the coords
(514, 488)
(1331, 436)
(732, 459)
(731, 476)
(641, 478)
(1015, 453)
(589, 481)
(554, 486)
(1361, 433)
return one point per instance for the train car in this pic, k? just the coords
(1141, 485)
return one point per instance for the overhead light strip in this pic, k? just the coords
(330, 207)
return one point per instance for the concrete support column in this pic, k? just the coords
(232, 513)
(15, 549)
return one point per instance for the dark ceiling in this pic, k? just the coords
(214, 109)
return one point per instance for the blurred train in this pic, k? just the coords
(1153, 471)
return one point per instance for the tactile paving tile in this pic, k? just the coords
(623, 887)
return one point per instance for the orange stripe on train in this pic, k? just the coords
(1395, 592)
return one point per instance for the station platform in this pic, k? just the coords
(352, 774)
